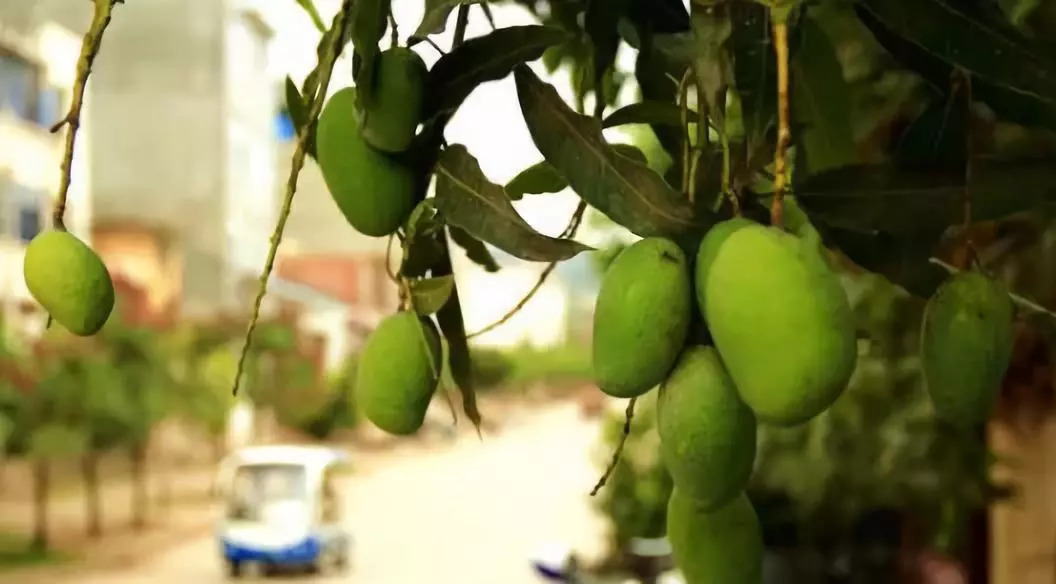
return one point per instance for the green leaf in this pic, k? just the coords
(309, 8)
(899, 200)
(600, 22)
(423, 242)
(938, 137)
(1009, 74)
(625, 190)
(754, 71)
(453, 328)
(542, 178)
(651, 72)
(482, 59)
(821, 103)
(902, 259)
(298, 113)
(466, 199)
(434, 20)
(369, 21)
(659, 16)
(475, 249)
(430, 294)
(648, 112)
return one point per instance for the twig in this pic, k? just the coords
(1016, 298)
(326, 68)
(388, 260)
(784, 135)
(394, 31)
(702, 137)
(683, 100)
(434, 45)
(461, 22)
(93, 39)
(628, 417)
(570, 231)
(487, 13)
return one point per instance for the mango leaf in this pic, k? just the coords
(899, 200)
(430, 294)
(1008, 73)
(938, 136)
(651, 72)
(600, 22)
(754, 71)
(449, 317)
(627, 191)
(821, 103)
(434, 20)
(466, 199)
(309, 8)
(482, 59)
(422, 242)
(299, 113)
(648, 112)
(369, 21)
(475, 249)
(659, 16)
(542, 178)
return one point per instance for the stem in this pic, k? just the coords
(784, 135)
(326, 68)
(435, 46)
(969, 256)
(628, 416)
(461, 22)
(702, 137)
(394, 31)
(683, 100)
(89, 49)
(570, 231)
(487, 13)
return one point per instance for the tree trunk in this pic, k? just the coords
(138, 460)
(93, 501)
(41, 487)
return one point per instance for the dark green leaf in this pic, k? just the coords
(648, 112)
(466, 199)
(711, 61)
(903, 260)
(423, 242)
(298, 113)
(660, 16)
(537, 179)
(651, 71)
(309, 8)
(429, 295)
(475, 249)
(625, 190)
(938, 136)
(482, 59)
(931, 36)
(599, 23)
(905, 200)
(821, 102)
(754, 71)
(434, 20)
(453, 328)
(369, 21)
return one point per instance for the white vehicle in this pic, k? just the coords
(282, 509)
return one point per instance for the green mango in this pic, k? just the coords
(707, 434)
(966, 346)
(390, 121)
(398, 370)
(375, 192)
(641, 317)
(70, 281)
(722, 546)
(779, 318)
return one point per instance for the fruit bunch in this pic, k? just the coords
(758, 329)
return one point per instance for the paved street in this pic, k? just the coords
(464, 513)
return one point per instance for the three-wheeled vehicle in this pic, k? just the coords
(282, 509)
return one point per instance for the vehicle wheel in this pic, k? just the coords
(234, 569)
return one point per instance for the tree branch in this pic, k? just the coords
(628, 417)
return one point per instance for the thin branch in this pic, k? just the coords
(628, 417)
(683, 100)
(487, 13)
(93, 39)
(388, 260)
(461, 22)
(784, 134)
(326, 68)
(435, 46)
(394, 31)
(569, 232)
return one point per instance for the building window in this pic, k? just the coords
(21, 214)
(28, 221)
(18, 85)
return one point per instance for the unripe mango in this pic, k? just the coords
(966, 346)
(723, 546)
(389, 123)
(707, 434)
(375, 192)
(641, 317)
(70, 281)
(397, 373)
(779, 318)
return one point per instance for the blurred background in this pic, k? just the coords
(109, 446)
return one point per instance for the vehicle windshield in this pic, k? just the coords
(259, 486)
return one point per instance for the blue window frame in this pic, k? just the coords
(19, 85)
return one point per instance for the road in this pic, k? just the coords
(470, 512)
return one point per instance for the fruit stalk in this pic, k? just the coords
(628, 418)
(784, 135)
(326, 68)
(93, 39)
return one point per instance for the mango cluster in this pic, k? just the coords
(70, 281)
(360, 148)
(782, 349)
